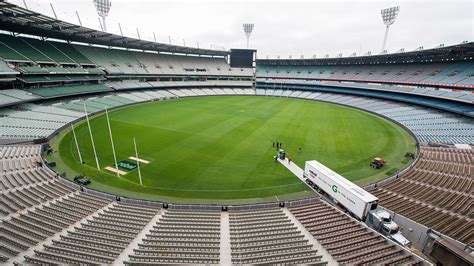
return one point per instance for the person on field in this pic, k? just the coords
(289, 160)
(299, 149)
(276, 158)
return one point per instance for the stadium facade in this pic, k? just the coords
(50, 69)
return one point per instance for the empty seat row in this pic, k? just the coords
(181, 237)
(437, 192)
(268, 237)
(99, 240)
(346, 240)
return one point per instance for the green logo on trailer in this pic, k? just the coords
(334, 188)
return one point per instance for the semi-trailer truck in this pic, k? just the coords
(358, 202)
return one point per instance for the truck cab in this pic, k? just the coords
(381, 221)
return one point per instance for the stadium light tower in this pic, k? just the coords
(248, 28)
(388, 15)
(103, 8)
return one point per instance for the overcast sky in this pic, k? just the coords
(282, 28)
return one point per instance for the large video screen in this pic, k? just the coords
(241, 58)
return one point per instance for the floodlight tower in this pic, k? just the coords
(103, 8)
(388, 15)
(248, 28)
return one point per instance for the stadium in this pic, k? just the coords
(120, 150)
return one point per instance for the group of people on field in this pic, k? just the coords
(278, 145)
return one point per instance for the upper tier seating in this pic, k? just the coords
(118, 62)
(69, 90)
(443, 74)
(437, 192)
(114, 61)
(19, 49)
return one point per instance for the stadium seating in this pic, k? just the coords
(40, 55)
(268, 237)
(347, 240)
(453, 103)
(5, 69)
(464, 96)
(34, 204)
(28, 229)
(99, 239)
(13, 96)
(458, 74)
(181, 237)
(31, 121)
(437, 192)
(69, 90)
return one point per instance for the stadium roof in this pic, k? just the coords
(20, 20)
(464, 51)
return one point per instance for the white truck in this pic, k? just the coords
(358, 202)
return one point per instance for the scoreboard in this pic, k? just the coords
(242, 58)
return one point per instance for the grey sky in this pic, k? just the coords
(281, 27)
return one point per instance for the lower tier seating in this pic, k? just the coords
(99, 240)
(437, 192)
(181, 237)
(348, 241)
(269, 237)
(27, 229)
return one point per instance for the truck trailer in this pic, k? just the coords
(355, 199)
(358, 202)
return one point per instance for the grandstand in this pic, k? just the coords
(437, 192)
(45, 85)
(428, 70)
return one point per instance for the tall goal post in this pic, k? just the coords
(138, 161)
(112, 142)
(92, 138)
(77, 144)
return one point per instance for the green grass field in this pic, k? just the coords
(219, 149)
